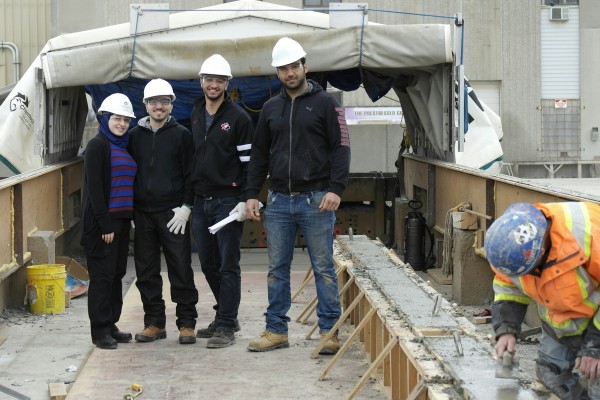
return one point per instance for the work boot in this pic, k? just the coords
(121, 337)
(207, 333)
(331, 346)
(186, 335)
(221, 339)
(269, 341)
(150, 334)
(565, 385)
(105, 342)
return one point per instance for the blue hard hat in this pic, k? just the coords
(513, 244)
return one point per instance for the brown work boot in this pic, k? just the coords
(150, 334)
(331, 346)
(186, 335)
(269, 341)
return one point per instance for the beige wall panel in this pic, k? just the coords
(589, 24)
(520, 88)
(453, 188)
(5, 222)
(507, 194)
(416, 175)
(41, 200)
(26, 23)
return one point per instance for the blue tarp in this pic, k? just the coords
(249, 92)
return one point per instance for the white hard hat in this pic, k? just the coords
(286, 51)
(215, 65)
(158, 87)
(117, 104)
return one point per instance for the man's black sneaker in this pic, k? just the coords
(221, 339)
(105, 342)
(121, 337)
(207, 333)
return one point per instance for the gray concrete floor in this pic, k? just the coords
(36, 350)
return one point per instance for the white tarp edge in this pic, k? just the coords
(382, 46)
(17, 125)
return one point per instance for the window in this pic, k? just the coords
(317, 3)
(560, 2)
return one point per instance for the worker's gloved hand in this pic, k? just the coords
(179, 220)
(241, 210)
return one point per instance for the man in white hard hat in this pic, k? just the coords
(163, 150)
(301, 141)
(222, 133)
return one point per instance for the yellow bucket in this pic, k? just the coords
(49, 283)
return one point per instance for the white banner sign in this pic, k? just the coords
(361, 115)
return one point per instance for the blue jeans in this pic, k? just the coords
(562, 355)
(284, 214)
(219, 255)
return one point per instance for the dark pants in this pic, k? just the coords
(151, 233)
(220, 255)
(105, 297)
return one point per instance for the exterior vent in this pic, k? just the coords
(559, 14)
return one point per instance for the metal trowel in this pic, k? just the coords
(506, 366)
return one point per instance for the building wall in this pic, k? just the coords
(520, 88)
(26, 24)
(590, 74)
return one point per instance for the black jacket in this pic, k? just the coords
(221, 153)
(97, 220)
(302, 144)
(164, 162)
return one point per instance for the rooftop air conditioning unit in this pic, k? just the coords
(559, 14)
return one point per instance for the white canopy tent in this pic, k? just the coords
(417, 58)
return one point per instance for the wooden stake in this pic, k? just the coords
(348, 342)
(384, 353)
(418, 391)
(336, 325)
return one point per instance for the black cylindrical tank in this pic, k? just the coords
(414, 240)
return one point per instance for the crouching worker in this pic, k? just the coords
(547, 253)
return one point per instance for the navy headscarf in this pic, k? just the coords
(119, 141)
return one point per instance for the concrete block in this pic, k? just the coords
(472, 276)
(41, 245)
(464, 220)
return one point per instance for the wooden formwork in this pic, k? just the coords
(395, 354)
(417, 344)
(46, 199)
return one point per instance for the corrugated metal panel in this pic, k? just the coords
(560, 55)
(27, 25)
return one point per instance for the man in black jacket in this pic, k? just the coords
(302, 142)
(222, 133)
(163, 198)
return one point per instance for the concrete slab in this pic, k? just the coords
(43, 349)
(468, 357)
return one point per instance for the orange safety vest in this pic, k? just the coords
(567, 291)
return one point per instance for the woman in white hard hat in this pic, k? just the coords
(107, 212)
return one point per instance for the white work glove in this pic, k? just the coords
(241, 210)
(177, 223)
